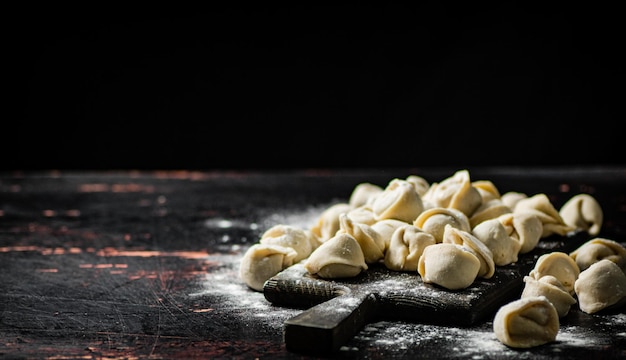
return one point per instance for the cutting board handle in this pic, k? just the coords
(302, 293)
(324, 328)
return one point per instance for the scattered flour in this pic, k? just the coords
(236, 299)
(304, 219)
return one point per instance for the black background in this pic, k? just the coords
(348, 85)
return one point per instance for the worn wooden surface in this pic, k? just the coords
(132, 264)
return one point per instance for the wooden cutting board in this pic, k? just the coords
(335, 310)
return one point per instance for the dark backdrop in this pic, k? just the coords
(349, 85)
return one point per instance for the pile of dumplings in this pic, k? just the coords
(451, 233)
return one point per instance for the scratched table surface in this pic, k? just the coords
(144, 264)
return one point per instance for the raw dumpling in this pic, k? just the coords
(363, 214)
(551, 288)
(471, 243)
(328, 222)
(455, 192)
(504, 248)
(525, 227)
(448, 265)
(487, 189)
(558, 264)
(551, 220)
(407, 245)
(338, 257)
(598, 249)
(511, 198)
(434, 221)
(262, 261)
(372, 244)
(488, 210)
(386, 229)
(421, 185)
(399, 200)
(289, 236)
(364, 194)
(526, 322)
(602, 285)
(583, 212)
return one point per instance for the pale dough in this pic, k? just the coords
(551, 288)
(371, 242)
(526, 322)
(602, 285)
(598, 249)
(289, 236)
(328, 222)
(490, 209)
(504, 248)
(551, 220)
(453, 235)
(262, 261)
(434, 221)
(583, 212)
(560, 265)
(399, 200)
(338, 257)
(386, 229)
(456, 192)
(421, 185)
(448, 265)
(364, 194)
(407, 245)
(525, 227)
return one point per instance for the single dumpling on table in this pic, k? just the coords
(527, 322)
(601, 286)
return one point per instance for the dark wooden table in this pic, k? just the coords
(144, 264)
